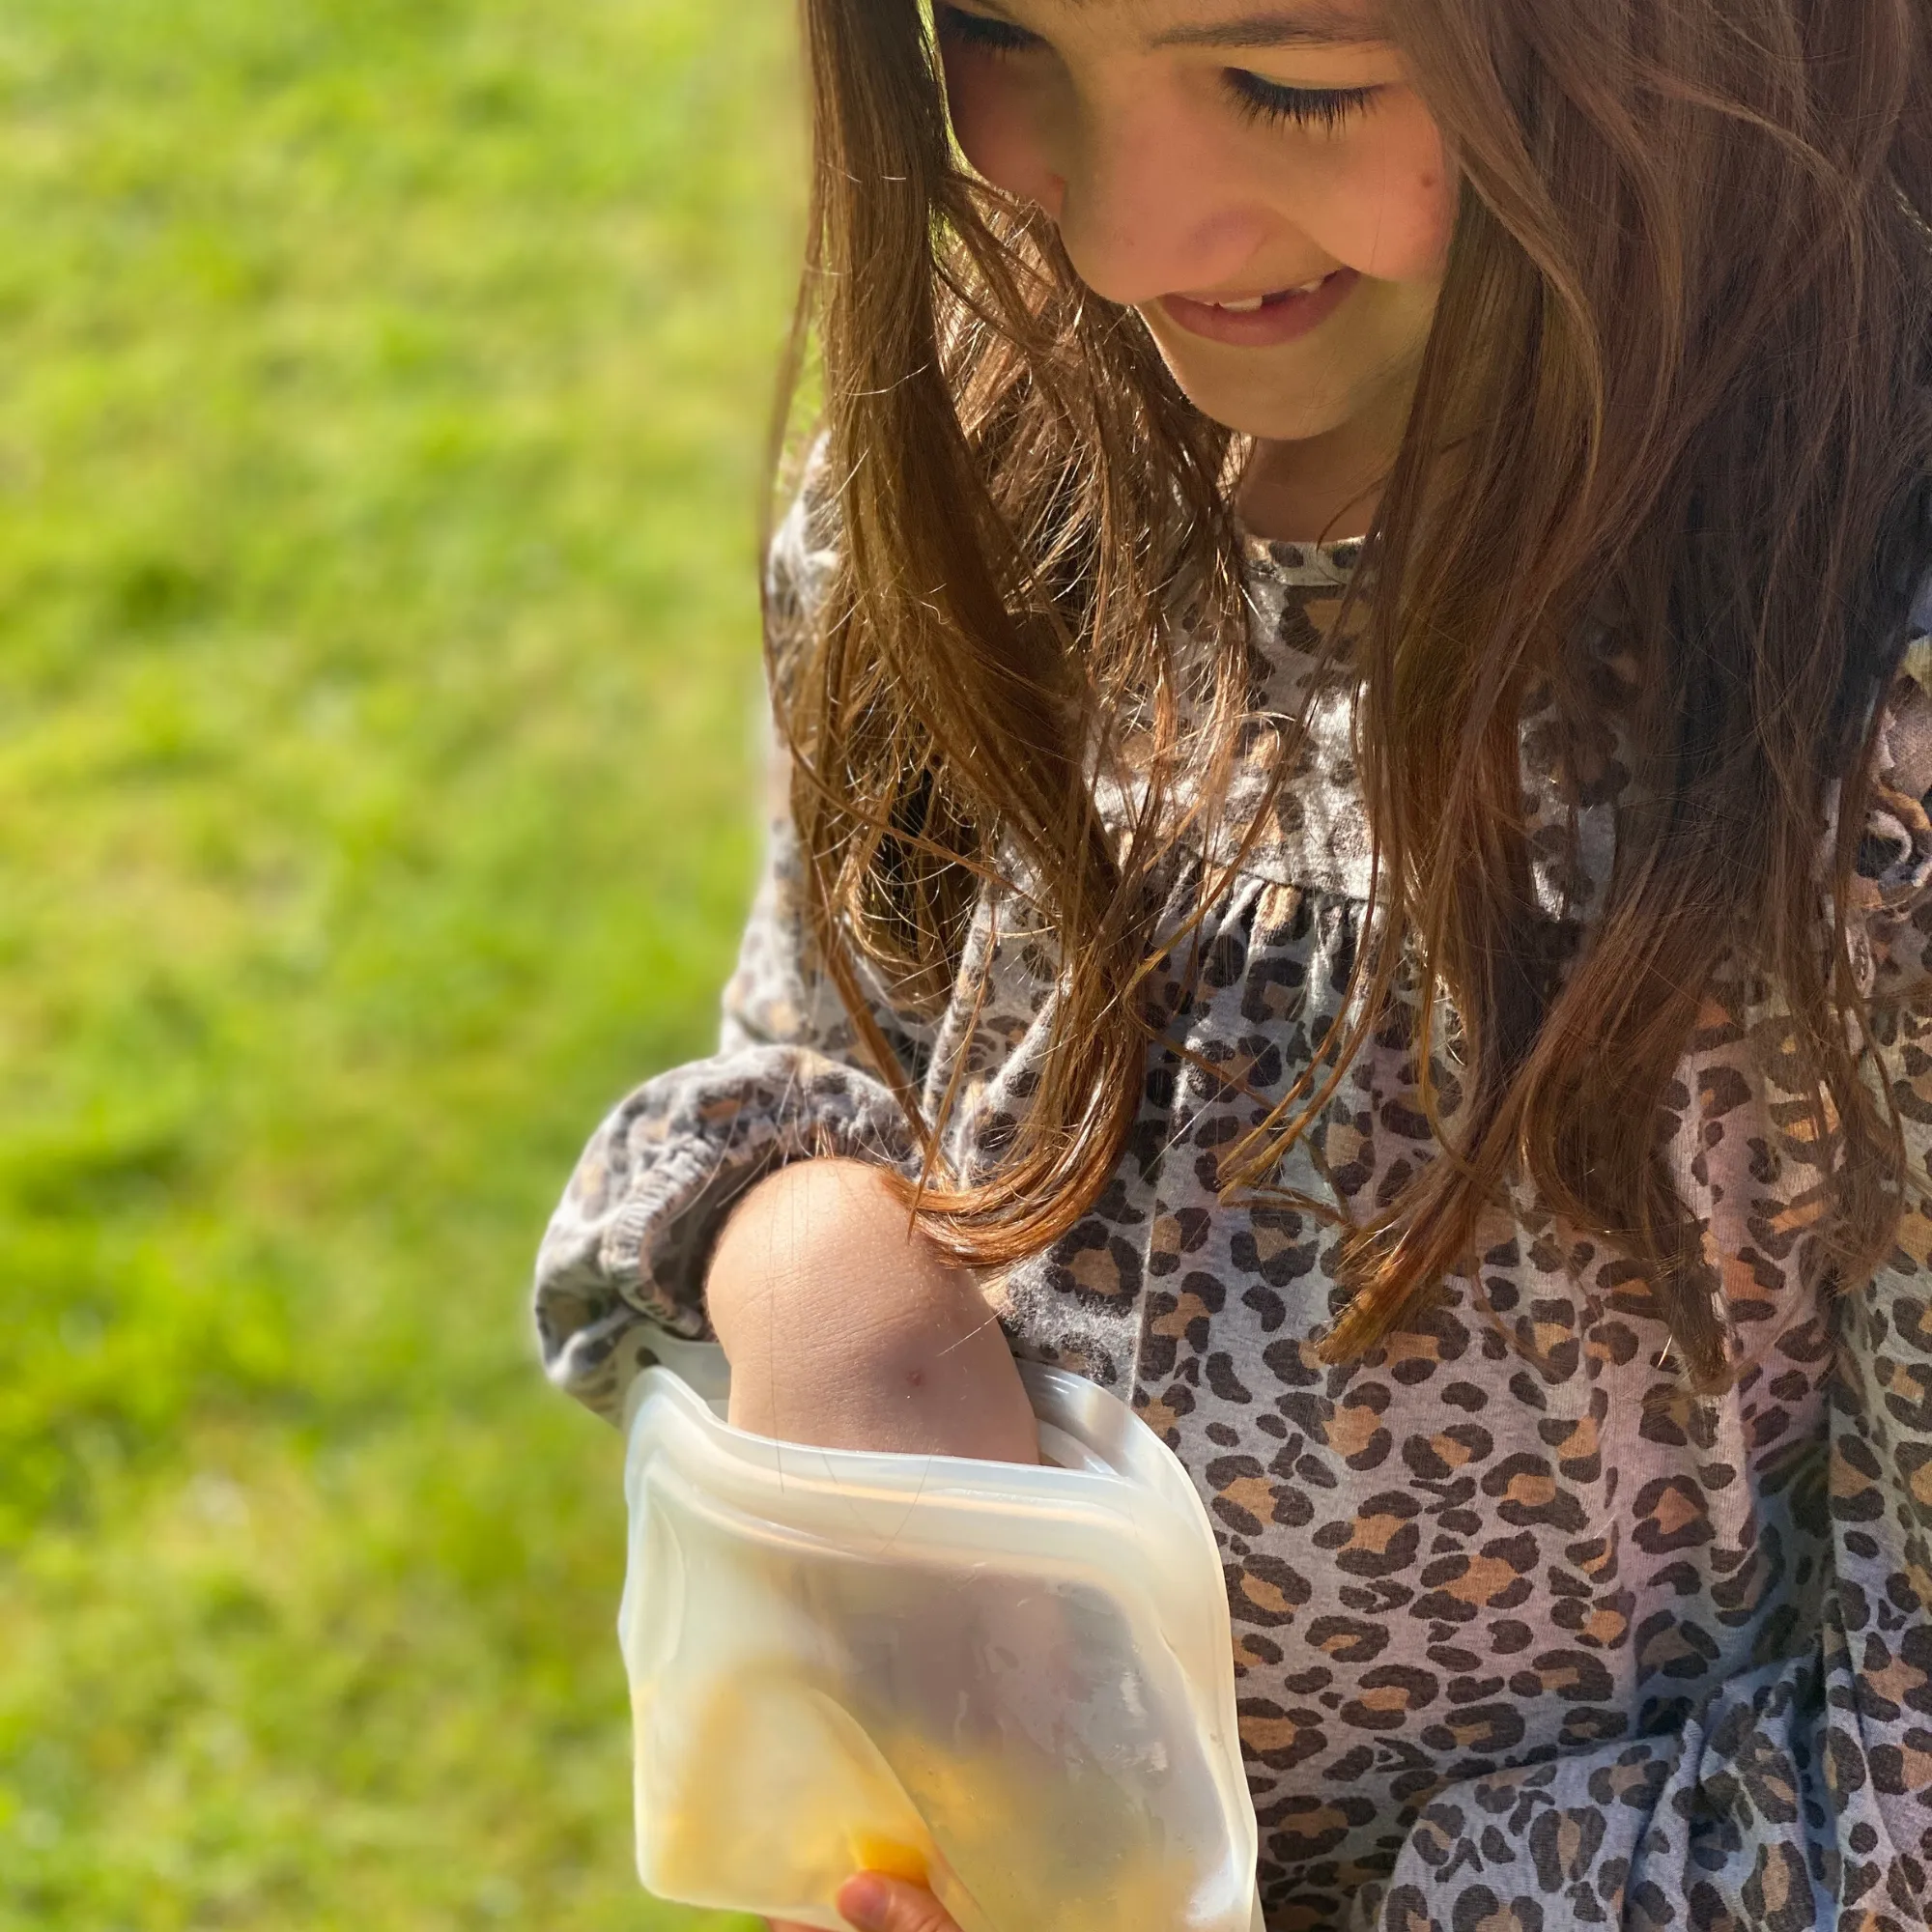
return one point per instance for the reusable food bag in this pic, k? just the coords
(1015, 1684)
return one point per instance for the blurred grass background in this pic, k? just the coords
(381, 410)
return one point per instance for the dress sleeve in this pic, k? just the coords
(1800, 1795)
(626, 1252)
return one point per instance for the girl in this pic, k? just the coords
(1357, 867)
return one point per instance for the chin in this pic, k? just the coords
(1297, 418)
(1279, 398)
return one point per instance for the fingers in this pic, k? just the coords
(875, 1904)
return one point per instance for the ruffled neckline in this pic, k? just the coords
(1300, 564)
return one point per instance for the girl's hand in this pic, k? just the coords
(847, 1329)
(875, 1904)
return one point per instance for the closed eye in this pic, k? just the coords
(981, 30)
(1323, 107)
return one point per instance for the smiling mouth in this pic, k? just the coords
(1254, 304)
(1265, 320)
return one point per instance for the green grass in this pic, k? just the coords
(380, 411)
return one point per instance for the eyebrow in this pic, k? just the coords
(1305, 26)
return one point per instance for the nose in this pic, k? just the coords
(1146, 208)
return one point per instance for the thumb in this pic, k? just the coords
(877, 1904)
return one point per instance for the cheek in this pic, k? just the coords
(1386, 205)
(995, 124)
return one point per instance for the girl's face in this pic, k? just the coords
(1258, 178)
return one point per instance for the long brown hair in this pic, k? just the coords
(1680, 372)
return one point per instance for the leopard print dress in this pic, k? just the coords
(1524, 1639)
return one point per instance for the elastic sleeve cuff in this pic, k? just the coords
(628, 1249)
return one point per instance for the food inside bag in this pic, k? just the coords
(1015, 1684)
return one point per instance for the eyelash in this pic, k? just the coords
(978, 30)
(1323, 107)
(1266, 100)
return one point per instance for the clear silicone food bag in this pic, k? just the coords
(1015, 1684)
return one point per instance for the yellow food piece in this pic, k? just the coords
(872, 1852)
(762, 1790)
(777, 1796)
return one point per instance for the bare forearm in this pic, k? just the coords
(847, 1328)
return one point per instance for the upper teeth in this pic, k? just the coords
(1248, 304)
